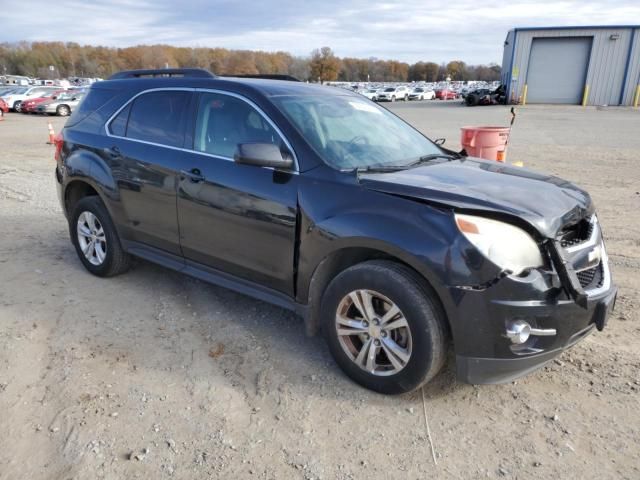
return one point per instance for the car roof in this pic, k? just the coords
(260, 86)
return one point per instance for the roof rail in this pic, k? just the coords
(163, 72)
(267, 76)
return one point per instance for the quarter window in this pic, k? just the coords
(224, 121)
(118, 125)
(158, 117)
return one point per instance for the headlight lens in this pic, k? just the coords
(509, 247)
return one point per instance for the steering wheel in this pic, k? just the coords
(358, 139)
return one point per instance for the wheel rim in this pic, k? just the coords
(373, 332)
(91, 238)
(64, 111)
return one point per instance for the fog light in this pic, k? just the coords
(518, 331)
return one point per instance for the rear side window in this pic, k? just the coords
(159, 117)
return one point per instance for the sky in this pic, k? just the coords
(407, 30)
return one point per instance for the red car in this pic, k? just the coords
(29, 106)
(446, 94)
(4, 108)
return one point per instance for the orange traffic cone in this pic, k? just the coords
(52, 134)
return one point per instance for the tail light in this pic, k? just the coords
(58, 142)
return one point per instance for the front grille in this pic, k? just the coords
(577, 233)
(591, 278)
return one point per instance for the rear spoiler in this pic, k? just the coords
(163, 72)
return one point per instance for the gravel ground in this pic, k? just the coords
(156, 375)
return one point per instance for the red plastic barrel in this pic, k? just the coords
(485, 142)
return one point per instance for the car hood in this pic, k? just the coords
(545, 202)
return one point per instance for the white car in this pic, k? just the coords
(15, 97)
(420, 93)
(371, 94)
(391, 94)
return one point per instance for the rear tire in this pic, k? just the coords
(105, 257)
(417, 332)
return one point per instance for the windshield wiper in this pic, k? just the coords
(380, 168)
(429, 158)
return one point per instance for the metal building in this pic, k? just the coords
(598, 65)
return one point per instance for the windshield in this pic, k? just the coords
(390, 89)
(18, 91)
(68, 96)
(349, 133)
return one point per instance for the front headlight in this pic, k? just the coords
(509, 247)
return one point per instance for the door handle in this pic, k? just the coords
(194, 175)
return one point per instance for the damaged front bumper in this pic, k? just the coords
(556, 309)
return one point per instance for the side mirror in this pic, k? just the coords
(262, 155)
(440, 141)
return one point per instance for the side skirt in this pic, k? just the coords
(213, 276)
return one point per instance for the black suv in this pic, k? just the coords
(320, 201)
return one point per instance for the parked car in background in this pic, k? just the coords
(15, 97)
(63, 105)
(391, 94)
(486, 96)
(370, 93)
(420, 93)
(446, 94)
(30, 105)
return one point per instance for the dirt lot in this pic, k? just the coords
(155, 375)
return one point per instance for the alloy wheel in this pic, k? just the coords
(373, 332)
(91, 238)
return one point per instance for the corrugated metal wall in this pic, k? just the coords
(506, 57)
(633, 74)
(606, 72)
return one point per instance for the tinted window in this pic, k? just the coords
(118, 125)
(158, 117)
(92, 100)
(224, 121)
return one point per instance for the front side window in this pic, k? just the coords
(224, 121)
(349, 133)
(159, 117)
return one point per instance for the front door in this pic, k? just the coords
(239, 219)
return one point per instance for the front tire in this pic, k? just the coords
(94, 236)
(63, 111)
(384, 327)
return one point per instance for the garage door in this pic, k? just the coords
(558, 69)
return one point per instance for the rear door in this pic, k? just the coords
(146, 139)
(239, 219)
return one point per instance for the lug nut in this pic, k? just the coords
(365, 324)
(376, 342)
(383, 333)
(366, 336)
(376, 321)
